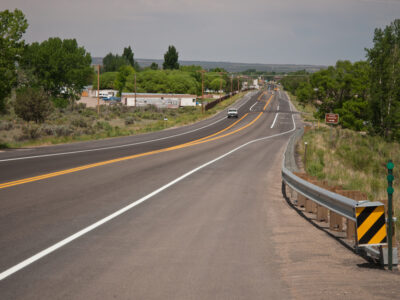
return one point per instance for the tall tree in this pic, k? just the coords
(384, 58)
(61, 67)
(12, 27)
(122, 77)
(171, 59)
(112, 63)
(128, 55)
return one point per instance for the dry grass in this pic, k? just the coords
(352, 160)
(84, 123)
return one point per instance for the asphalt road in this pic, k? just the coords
(188, 213)
(201, 236)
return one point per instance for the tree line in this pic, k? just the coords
(366, 94)
(37, 78)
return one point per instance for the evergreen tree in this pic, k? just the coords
(128, 55)
(171, 59)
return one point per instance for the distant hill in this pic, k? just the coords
(229, 66)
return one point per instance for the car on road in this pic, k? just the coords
(233, 113)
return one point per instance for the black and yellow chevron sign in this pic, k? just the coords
(371, 225)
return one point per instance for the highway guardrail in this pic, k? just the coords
(337, 204)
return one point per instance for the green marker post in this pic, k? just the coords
(390, 191)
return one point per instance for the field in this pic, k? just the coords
(82, 123)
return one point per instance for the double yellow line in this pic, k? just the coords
(208, 138)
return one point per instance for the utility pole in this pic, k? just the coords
(98, 89)
(220, 84)
(231, 85)
(202, 89)
(135, 89)
(202, 92)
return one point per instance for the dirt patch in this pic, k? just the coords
(314, 264)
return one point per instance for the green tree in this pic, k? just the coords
(112, 63)
(61, 67)
(171, 59)
(107, 80)
(384, 58)
(122, 77)
(215, 85)
(32, 104)
(154, 66)
(304, 92)
(128, 55)
(12, 27)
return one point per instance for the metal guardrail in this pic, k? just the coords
(335, 202)
(341, 205)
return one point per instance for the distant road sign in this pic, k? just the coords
(331, 118)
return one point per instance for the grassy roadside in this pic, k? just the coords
(307, 111)
(350, 159)
(83, 124)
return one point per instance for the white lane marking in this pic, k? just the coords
(97, 224)
(273, 123)
(277, 108)
(251, 108)
(119, 146)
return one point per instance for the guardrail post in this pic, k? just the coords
(301, 200)
(335, 221)
(322, 213)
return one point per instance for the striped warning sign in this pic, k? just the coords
(371, 225)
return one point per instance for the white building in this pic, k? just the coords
(159, 100)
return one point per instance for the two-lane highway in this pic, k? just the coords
(177, 214)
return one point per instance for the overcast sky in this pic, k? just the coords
(254, 31)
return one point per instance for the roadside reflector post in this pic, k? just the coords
(390, 191)
(305, 156)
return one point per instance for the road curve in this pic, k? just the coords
(197, 221)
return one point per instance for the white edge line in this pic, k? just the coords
(82, 232)
(119, 146)
(273, 123)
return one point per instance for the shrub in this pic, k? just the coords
(6, 125)
(30, 132)
(60, 102)
(129, 120)
(79, 122)
(32, 104)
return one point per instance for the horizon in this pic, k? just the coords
(314, 32)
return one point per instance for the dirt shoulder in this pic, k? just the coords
(315, 265)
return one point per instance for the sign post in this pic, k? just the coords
(390, 191)
(331, 119)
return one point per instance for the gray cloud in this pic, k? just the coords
(264, 31)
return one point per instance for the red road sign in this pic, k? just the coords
(331, 118)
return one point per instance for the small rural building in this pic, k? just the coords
(159, 100)
(88, 91)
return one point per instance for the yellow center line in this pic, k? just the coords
(266, 104)
(107, 162)
(262, 94)
(223, 130)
